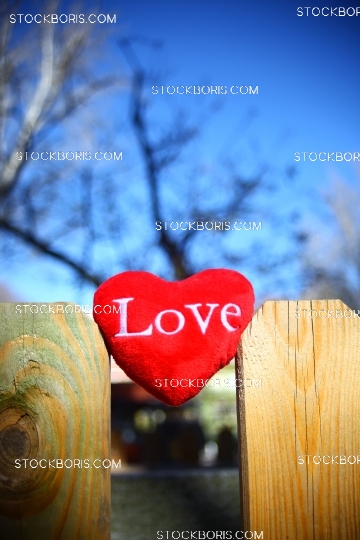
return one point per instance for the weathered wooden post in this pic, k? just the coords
(54, 422)
(300, 433)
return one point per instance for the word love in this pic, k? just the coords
(161, 330)
(227, 311)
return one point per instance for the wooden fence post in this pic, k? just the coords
(308, 405)
(54, 405)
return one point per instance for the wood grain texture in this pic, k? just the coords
(54, 404)
(308, 404)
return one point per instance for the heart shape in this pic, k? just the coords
(170, 336)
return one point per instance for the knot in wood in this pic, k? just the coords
(18, 436)
(15, 443)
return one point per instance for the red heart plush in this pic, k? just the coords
(171, 337)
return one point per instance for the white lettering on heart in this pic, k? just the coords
(229, 310)
(203, 324)
(179, 315)
(224, 314)
(123, 320)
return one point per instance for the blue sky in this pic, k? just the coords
(307, 72)
(306, 67)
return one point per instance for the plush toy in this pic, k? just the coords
(171, 337)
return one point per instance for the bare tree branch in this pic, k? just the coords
(55, 68)
(43, 247)
(44, 206)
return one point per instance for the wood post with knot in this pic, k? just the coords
(54, 425)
